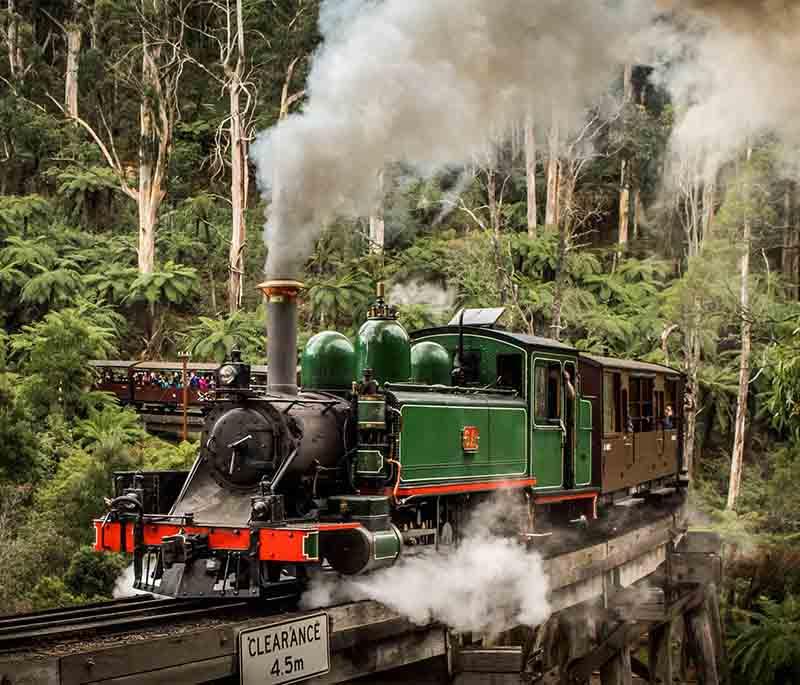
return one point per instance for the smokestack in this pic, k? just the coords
(281, 334)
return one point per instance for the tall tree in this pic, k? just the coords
(240, 129)
(790, 258)
(13, 42)
(553, 173)
(74, 36)
(623, 228)
(377, 225)
(530, 174)
(162, 29)
(737, 457)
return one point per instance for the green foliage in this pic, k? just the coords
(21, 460)
(340, 299)
(172, 284)
(768, 649)
(53, 356)
(214, 339)
(109, 429)
(51, 592)
(93, 574)
(166, 456)
(19, 214)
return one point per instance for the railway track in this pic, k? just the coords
(120, 614)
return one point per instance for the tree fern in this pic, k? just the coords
(768, 649)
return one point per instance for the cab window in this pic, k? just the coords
(509, 372)
(547, 389)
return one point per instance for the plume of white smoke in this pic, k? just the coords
(417, 291)
(429, 84)
(488, 583)
(729, 66)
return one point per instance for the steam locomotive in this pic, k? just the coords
(390, 443)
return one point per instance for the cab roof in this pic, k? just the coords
(526, 341)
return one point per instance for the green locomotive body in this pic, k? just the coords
(392, 441)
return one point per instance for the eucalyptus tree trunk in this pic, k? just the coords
(709, 200)
(494, 204)
(624, 204)
(74, 39)
(239, 171)
(692, 349)
(377, 225)
(151, 192)
(12, 41)
(553, 174)
(623, 227)
(790, 258)
(161, 71)
(530, 174)
(737, 458)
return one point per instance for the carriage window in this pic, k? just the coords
(612, 410)
(641, 404)
(547, 388)
(509, 371)
(671, 399)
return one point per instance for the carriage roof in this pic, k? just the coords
(630, 365)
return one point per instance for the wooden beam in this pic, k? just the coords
(701, 645)
(659, 647)
(490, 660)
(617, 670)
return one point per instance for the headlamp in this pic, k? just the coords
(227, 374)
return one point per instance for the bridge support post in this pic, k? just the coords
(660, 655)
(617, 670)
(700, 636)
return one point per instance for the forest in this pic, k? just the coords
(131, 226)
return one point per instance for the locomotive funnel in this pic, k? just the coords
(281, 334)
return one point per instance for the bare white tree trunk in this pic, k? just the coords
(692, 364)
(239, 171)
(737, 458)
(623, 228)
(150, 192)
(12, 41)
(162, 66)
(377, 225)
(691, 211)
(74, 39)
(624, 204)
(553, 172)
(709, 199)
(530, 174)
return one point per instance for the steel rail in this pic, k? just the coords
(107, 616)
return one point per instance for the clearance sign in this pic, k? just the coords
(285, 652)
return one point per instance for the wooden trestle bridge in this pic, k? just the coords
(640, 591)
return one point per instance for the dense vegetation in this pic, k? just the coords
(92, 143)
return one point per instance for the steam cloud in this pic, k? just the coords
(729, 75)
(429, 84)
(489, 583)
(432, 83)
